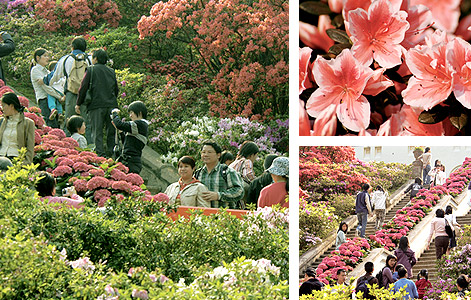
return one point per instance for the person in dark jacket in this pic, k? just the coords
(7, 46)
(261, 181)
(104, 92)
(311, 283)
(362, 208)
(136, 133)
(414, 188)
(405, 255)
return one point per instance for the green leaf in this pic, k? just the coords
(315, 8)
(339, 36)
(434, 116)
(459, 121)
(338, 48)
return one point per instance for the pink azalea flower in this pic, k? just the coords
(135, 179)
(118, 175)
(80, 185)
(336, 5)
(65, 162)
(445, 13)
(304, 62)
(61, 171)
(316, 37)
(419, 18)
(326, 122)
(341, 83)
(377, 34)
(304, 123)
(432, 80)
(58, 132)
(102, 196)
(81, 166)
(121, 186)
(459, 57)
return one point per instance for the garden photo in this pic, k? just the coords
(384, 67)
(384, 222)
(144, 149)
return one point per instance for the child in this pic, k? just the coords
(422, 283)
(54, 104)
(136, 135)
(76, 126)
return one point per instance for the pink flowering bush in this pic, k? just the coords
(384, 68)
(346, 257)
(76, 16)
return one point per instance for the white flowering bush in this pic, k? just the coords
(228, 133)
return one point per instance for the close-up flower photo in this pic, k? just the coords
(384, 68)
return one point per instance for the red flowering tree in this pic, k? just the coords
(76, 16)
(243, 46)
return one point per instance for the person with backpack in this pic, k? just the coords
(70, 70)
(101, 81)
(276, 192)
(379, 203)
(422, 283)
(7, 46)
(407, 284)
(224, 184)
(362, 208)
(414, 188)
(385, 276)
(365, 280)
(405, 255)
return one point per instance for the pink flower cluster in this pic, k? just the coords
(346, 257)
(417, 50)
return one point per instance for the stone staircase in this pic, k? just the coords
(369, 227)
(428, 259)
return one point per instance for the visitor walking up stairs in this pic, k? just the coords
(428, 259)
(369, 227)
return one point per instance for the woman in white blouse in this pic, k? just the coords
(38, 72)
(16, 130)
(187, 191)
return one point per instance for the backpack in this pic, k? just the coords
(222, 171)
(379, 276)
(362, 287)
(77, 72)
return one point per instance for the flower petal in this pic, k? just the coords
(355, 115)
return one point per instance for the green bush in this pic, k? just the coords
(343, 204)
(345, 293)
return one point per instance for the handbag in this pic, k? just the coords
(448, 230)
(88, 95)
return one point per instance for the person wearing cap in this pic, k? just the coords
(276, 192)
(7, 46)
(16, 130)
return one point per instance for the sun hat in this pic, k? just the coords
(280, 167)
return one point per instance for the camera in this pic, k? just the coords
(67, 190)
(114, 113)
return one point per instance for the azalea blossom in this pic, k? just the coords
(315, 36)
(341, 83)
(419, 18)
(445, 13)
(377, 33)
(304, 61)
(459, 58)
(432, 80)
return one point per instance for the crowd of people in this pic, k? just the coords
(394, 276)
(78, 93)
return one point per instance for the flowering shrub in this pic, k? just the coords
(457, 263)
(76, 16)
(252, 78)
(440, 287)
(355, 85)
(229, 134)
(316, 222)
(346, 257)
(321, 176)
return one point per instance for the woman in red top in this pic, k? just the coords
(276, 192)
(422, 283)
